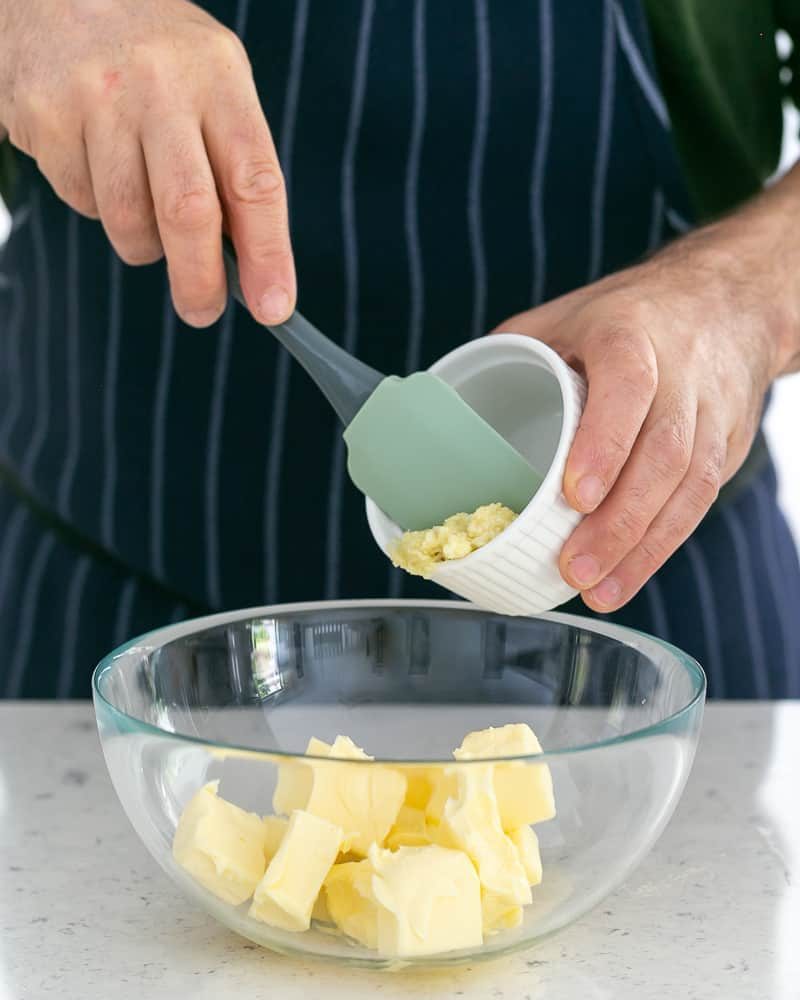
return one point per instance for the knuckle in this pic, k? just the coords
(229, 45)
(669, 448)
(190, 208)
(627, 526)
(654, 550)
(257, 182)
(703, 488)
(629, 355)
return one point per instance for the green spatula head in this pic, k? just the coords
(421, 453)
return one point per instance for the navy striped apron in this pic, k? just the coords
(448, 164)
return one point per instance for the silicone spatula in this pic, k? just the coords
(414, 446)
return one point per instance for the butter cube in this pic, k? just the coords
(471, 823)
(363, 801)
(220, 845)
(286, 894)
(428, 899)
(419, 785)
(274, 829)
(524, 790)
(352, 907)
(498, 915)
(409, 830)
(295, 780)
(444, 787)
(343, 747)
(527, 845)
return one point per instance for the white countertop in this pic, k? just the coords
(714, 911)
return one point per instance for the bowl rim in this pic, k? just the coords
(155, 638)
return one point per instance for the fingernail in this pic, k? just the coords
(607, 592)
(274, 304)
(590, 491)
(584, 569)
(201, 317)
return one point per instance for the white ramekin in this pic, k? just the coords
(535, 400)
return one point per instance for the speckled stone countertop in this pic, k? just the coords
(714, 911)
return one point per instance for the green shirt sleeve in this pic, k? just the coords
(720, 73)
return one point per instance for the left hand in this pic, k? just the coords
(678, 353)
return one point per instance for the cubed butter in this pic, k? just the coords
(409, 830)
(274, 829)
(428, 899)
(527, 845)
(524, 790)
(443, 787)
(295, 779)
(220, 845)
(363, 801)
(498, 915)
(350, 903)
(286, 894)
(419, 785)
(471, 823)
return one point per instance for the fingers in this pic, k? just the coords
(253, 194)
(122, 192)
(676, 521)
(658, 463)
(622, 376)
(188, 216)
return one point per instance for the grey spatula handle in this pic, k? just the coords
(345, 381)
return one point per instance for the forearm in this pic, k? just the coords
(757, 247)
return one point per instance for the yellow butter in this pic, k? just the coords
(220, 845)
(363, 801)
(471, 823)
(410, 829)
(286, 894)
(498, 915)
(419, 785)
(524, 790)
(295, 780)
(274, 829)
(428, 901)
(527, 845)
(444, 786)
(350, 903)
(419, 552)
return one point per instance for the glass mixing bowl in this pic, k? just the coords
(237, 695)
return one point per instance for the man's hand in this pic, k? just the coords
(144, 114)
(678, 353)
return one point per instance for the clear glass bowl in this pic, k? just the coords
(617, 712)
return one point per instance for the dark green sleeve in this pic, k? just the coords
(721, 79)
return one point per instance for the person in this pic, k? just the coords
(428, 170)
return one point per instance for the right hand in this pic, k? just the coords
(144, 114)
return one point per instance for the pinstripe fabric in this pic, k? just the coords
(159, 431)
(109, 487)
(73, 368)
(475, 191)
(755, 638)
(272, 533)
(705, 598)
(540, 152)
(13, 366)
(30, 606)
(656, 222)
(124, 611)
(43, 333)
(72, 618)
(447, 166)
(607, 84)
(350, 246)
(640, 70)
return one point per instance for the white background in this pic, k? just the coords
(783, 418)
